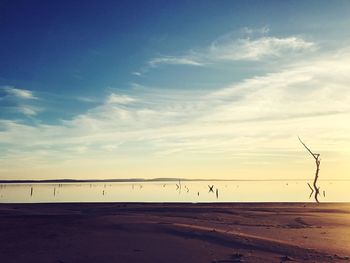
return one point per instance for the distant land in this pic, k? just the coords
(149, 180)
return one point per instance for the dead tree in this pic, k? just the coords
(312, 190)
(316, 156)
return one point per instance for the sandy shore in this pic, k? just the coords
(249, 232)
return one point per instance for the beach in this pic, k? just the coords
(175, 232)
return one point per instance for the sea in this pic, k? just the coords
(180, 191)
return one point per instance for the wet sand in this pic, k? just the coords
(116, 232)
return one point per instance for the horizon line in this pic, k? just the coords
(165, 179)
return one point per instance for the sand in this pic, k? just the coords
(115, 232)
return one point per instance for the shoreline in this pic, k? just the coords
(175, 232)
(132, 180)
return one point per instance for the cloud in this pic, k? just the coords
(252, 31)
(185, 60)
(136, 73)
(87, 99)
(258, 116)
(229, 48)
(120, 99)
(19, 93)
(19, 100)
(28, 110)
(257, 49)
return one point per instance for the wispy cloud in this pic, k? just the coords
(120, 99)
(87, 99)
(136, 73)
(257, 49)
(306, 98)
(20, 101)
(19, 93)
(28, 110)
(184, 60)
(257, 116)
(249, 48)
(253, 31)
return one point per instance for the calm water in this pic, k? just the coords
(188, 191)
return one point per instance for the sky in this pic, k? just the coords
(189, 89)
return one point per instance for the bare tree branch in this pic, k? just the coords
(315, 155)
(318, 163)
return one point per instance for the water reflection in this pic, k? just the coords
(189, 191)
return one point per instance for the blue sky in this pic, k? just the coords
(87, 87)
